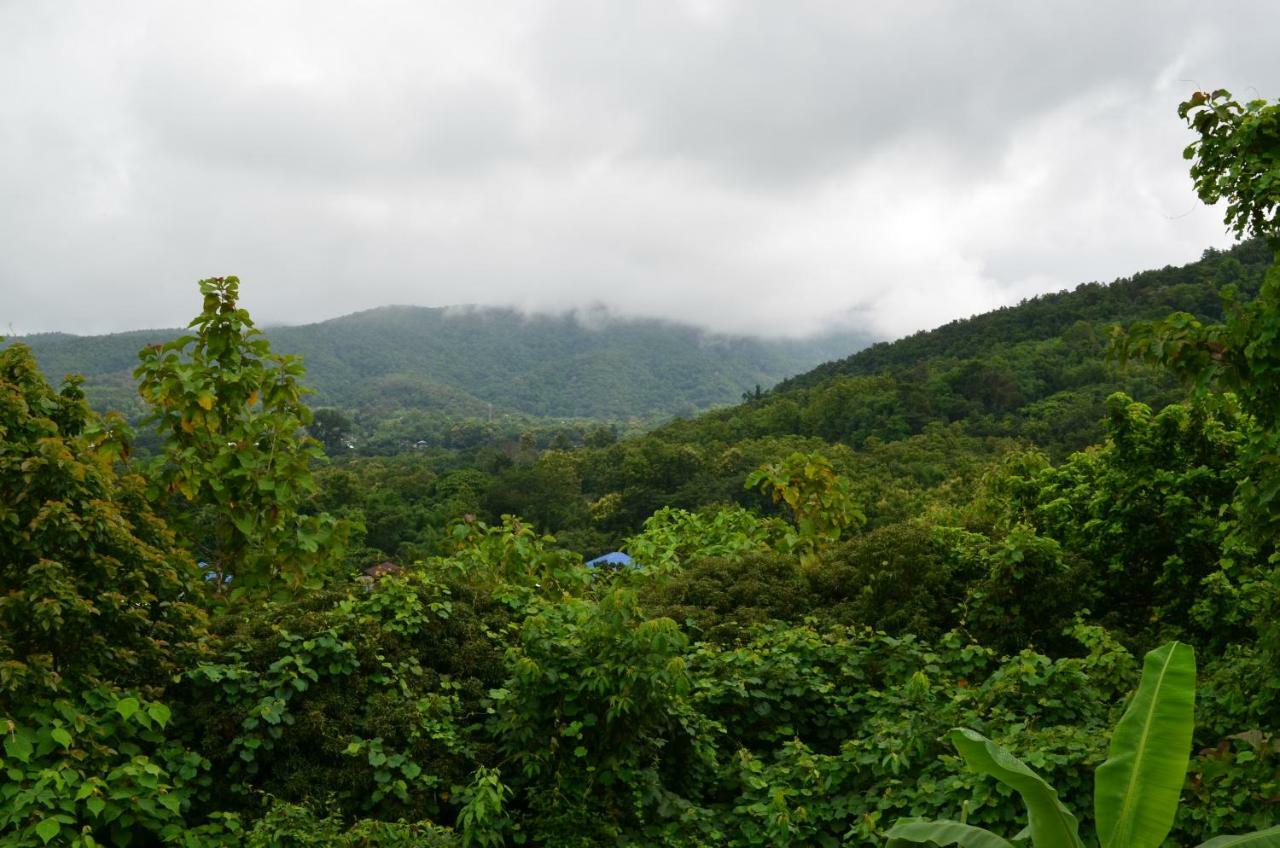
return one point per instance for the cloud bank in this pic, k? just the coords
(774, 168)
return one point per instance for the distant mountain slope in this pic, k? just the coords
(1190, 288)
(1037, 371)
(459, 361)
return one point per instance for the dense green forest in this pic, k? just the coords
(1014, 581)
(478, 362)
(926, 414)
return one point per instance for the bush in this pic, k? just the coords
(897, 578)
(721, 598)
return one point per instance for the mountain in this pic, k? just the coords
(1039, 371)
(468, 362)
(932, 409)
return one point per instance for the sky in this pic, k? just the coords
(774, 168)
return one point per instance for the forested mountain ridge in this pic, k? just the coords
(1194, 288)
(1038, 371)
(459, 361)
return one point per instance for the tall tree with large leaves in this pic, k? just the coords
(235, 471)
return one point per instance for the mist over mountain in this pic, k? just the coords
(474, 361)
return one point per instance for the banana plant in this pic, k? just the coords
(1135, 792)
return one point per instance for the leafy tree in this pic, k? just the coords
(597, 712)
(1151, 510)
(673, 537)
(820, 500)
(1237, 159)
(368, 698)
(96, 616)
(235, 470)
(721, 598)
(898, 578)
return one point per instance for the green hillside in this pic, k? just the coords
(460, 361)
(1039, 370)
(929, 412)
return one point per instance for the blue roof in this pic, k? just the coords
(612, 558)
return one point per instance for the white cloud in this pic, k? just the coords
(753, 167)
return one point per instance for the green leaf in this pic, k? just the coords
(159, 713)
(95, 805)
(1136, 790)
(61, 736)
(127, 707)
(1052, 825)
(916, 831)
(48, 829)
(1269, 838)
(19, 747)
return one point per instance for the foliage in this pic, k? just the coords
(96, 614)
(515, 562)
(1237, 158)
(1024, 589)
(332, 429)
(1135, 791)
(821, 501)
(1150, 510)
(722, 597)
(900, 578)
(672, 537)
(368, 692)
(299, 825)
(234, 471)
(597, 702)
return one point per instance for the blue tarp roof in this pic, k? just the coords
(612, 558)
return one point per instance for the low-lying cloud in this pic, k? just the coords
(757, 167)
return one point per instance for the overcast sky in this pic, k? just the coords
(771, 167)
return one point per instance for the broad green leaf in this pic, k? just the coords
(159, 713)
(127, 707)
(917, 831)
(61, 736)
(1136, 790)
(48, 829)
(1269, 838)
(18, 746)
(1052, 825)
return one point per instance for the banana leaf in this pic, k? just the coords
(919, 831)
(1136, 790)
(1269, 838)
(1051, 824)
